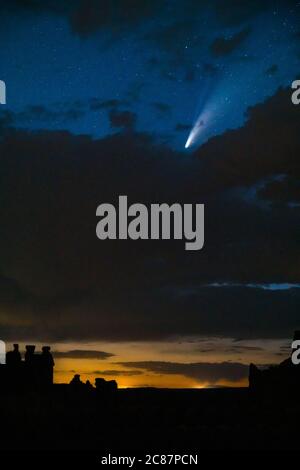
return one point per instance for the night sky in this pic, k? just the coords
(102, 100)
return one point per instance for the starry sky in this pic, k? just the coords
(102, 99)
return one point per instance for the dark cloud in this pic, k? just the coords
(39, 113)
(82, 354)
(241, 349)
(122, 119)
(232, 13)
(153, 316)
(206, 350)
(224, 46)
(96, 104)
(6, 120)
(86, 17)
(44, 114)
(36, 6)
(232, 349)
(264, 147)
(55, 272)
(117, 373)
(282, 191)
(201, 371)
(118, 15)
(162, 108)
(11, 292)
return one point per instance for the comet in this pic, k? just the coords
(197, 129)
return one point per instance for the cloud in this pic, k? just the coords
(42, 113)
(117, 373)
(55, 272)
(224, 46)
(231, 13)
(88, 17)
(35, 6)
(281, 191)
(117, 15)
(63, 112)
(161, 108)
(6, 120)
(266, 146)
(201, 371)
(96, 104)
(241, 349)
(82, 354)
(122, 119)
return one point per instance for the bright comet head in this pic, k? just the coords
(191, 137)
(197, 128)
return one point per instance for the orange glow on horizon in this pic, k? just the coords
(87, 369)
(123, 362)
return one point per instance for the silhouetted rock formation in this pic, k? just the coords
(13, 357)
(104, 389)
(106, 386)
(76, 383)
(47, 365)
(34, 373)
(276, 379)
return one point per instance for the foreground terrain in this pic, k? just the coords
(148, 420)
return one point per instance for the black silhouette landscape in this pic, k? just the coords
(80, 416)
